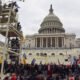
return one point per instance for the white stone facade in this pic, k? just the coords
(68, 40)
(51, 40)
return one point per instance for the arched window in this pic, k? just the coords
(60, 41)
(45, 54)
(38, 42)
(53, 54)
(66, 60)
(37, 54)
(61, 54)
(44, 42)
(30, 54)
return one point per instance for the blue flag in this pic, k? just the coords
(33, 61)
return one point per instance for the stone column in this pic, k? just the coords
(54, 30)
(46, 42)
(51, 41)
(62, 42)
(57, 42)
(35, 42)
(42, 42)
(65, 46)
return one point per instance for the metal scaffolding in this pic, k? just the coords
(10, 28)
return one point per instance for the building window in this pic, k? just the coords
(61, 54)
(29, 45)
(66, 60)
(49, 42)
(44, 42)
(38, 42)
(45, 54)
(53, 54)
(53, 42)
(53, 30)
(60, 42)
(50, 30)
(37, 54)
(30, 54)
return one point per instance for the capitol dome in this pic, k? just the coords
(51, 23)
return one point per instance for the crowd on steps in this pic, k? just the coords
(42, 71)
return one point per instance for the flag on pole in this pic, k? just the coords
(33, 61)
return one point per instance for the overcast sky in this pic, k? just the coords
(32, 13)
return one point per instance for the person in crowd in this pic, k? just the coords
(71, 77)
(18, 26)
(49, 70)
(13, 77)
(6, 78)
(42, 71)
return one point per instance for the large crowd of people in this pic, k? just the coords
(42, 71)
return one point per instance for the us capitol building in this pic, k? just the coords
(51, 42)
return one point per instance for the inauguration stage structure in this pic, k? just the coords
(10, 28)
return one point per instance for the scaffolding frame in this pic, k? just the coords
(6, 32)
